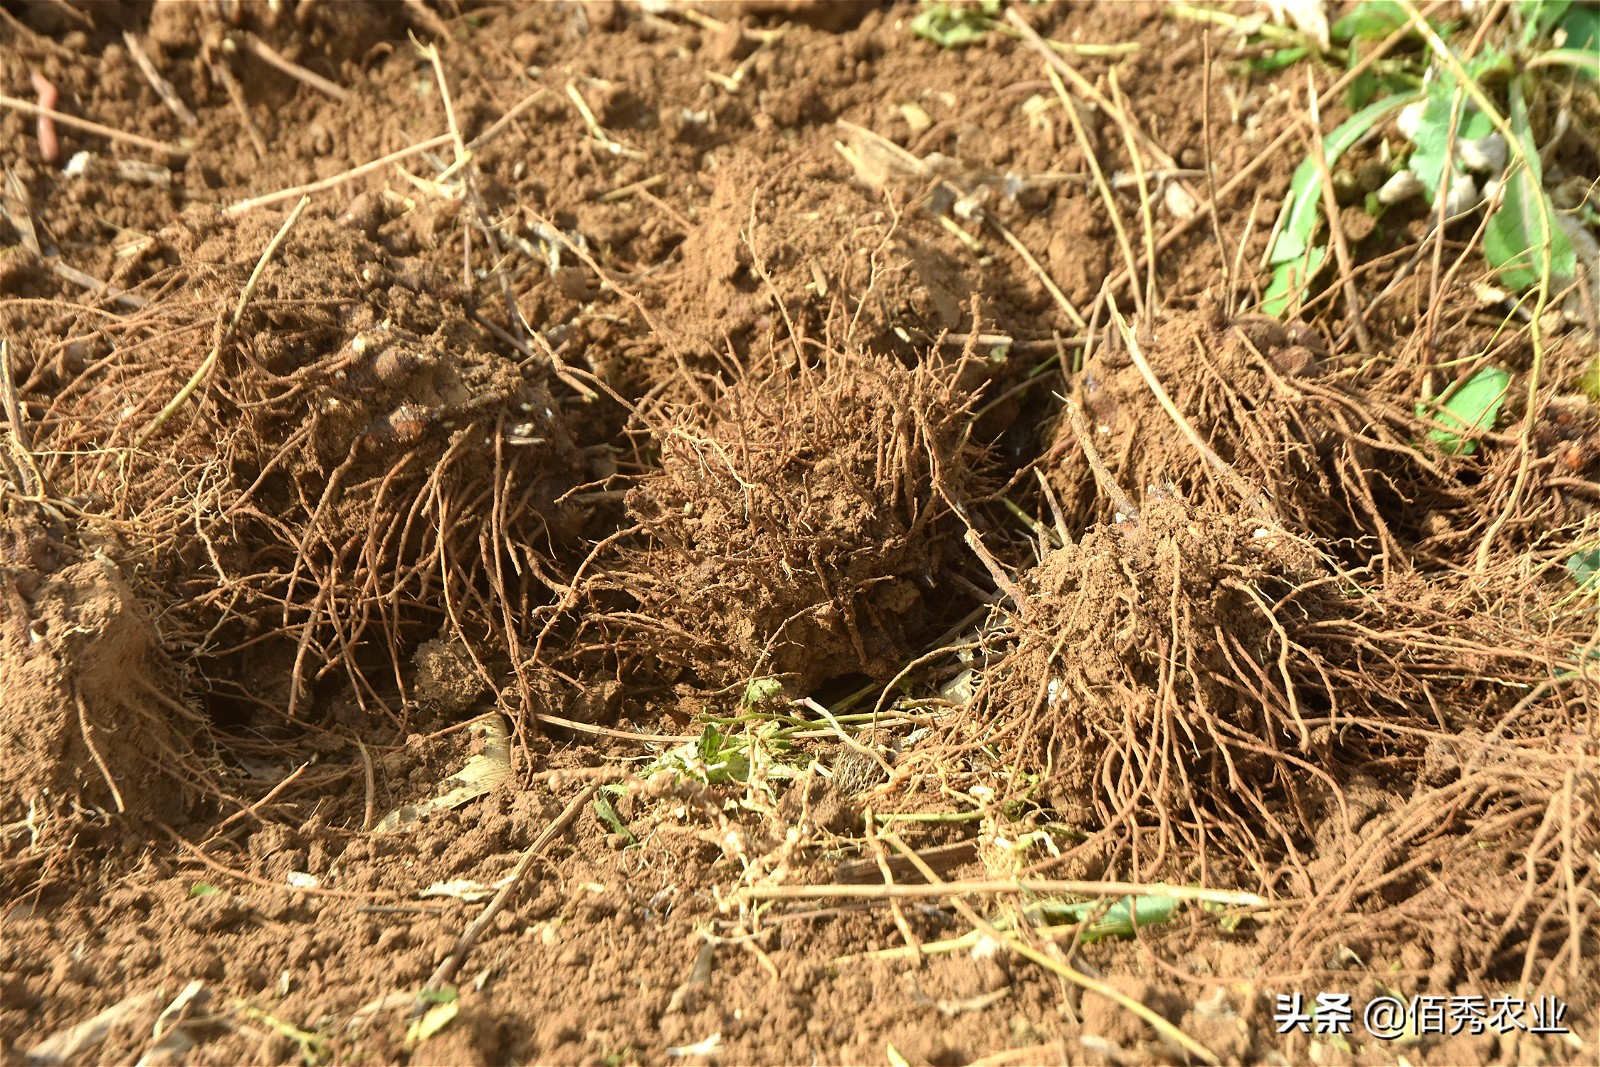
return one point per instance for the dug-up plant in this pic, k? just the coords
(798, 524)
(351, 469)
(1196, 685)
(1147, 676)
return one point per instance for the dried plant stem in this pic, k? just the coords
(1211, 179)
(236, 96)
(110, 134)
(1061, 968)
(1330, 208)
(267, 54)
(169, 96)
(338, 179)
(1073, 315)
(844, 735)
(992, 888)
(263, 802)
(912, 943)
(452, 963)
(997, 573)
(1089, 156)
(1131, 136)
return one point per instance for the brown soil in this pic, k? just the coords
(717, 343)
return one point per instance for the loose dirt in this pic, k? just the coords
(696, 477)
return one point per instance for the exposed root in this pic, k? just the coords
(799, 523)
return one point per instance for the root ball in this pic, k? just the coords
(799, 522)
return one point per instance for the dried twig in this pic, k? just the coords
(88, 740)
(266, 53)
(338, 179)
(1330, 207)
(110, 134)
(429, 145)
(990, 888)
(223, 74)
(1073, 315)
(169, 96)
(1089, 156)
(452, 963)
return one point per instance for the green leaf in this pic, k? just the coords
(1375, 83)
(1585, 567)
(1466, 411)
(433, 1020)
(606, 812)
(1119, 920)
(1373, 20)
(1289, 281)
(1524, 228)
(1370, 21)
(721, 758)
(203, 889)
(1590, 382)
(1433, 132)
(1582, 28)
(761, 690)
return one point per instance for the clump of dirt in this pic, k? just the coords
(447, 678)
(357, 466)
(90, 718)
(799, 522)
(805, 250)
(1265, 399)
(1152, 681)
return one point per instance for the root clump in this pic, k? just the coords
(1147, 676)
(1271, 405)
(358, 468)
(799, 523)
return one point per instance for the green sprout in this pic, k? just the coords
(955, 25)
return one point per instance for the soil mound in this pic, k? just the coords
(89, 720)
